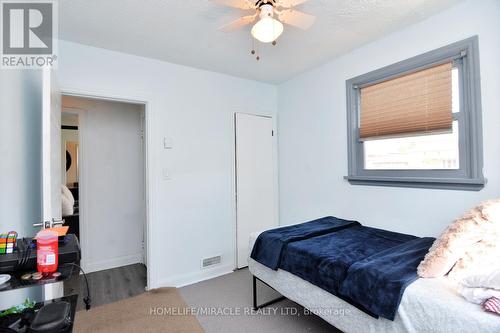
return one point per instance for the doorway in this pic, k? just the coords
(255, 183)
(111, 186)
(106, 152)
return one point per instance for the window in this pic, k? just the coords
(423, 152)
(417, 123)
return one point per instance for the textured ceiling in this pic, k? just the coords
(185, 32)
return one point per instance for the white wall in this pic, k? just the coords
(192, 213)
(112, 202)
(313, 139)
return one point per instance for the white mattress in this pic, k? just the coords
(428, 305)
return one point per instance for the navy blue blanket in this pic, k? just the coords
(269, 245)
(378, 282)
(367, 267)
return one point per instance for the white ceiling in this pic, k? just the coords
(185, 32)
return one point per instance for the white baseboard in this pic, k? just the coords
(198, 276)
(112, 263)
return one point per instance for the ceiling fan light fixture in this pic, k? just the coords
(267, 30)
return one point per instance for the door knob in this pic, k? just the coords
(44, 224)
(57, 222)
(49, 224)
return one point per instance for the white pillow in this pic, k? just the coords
(478, 295)
(67, 200)
(478, 288)
(489, 280)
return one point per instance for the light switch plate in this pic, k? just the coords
(168, 143)
(166, 174)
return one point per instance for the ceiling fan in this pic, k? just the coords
(268, 28)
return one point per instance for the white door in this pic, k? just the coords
(51, 163)
(51, 148)
(255, 180)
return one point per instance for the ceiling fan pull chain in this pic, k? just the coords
(253, 45)
(257, 48)
(258, 52)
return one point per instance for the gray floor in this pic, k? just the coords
(109, 286)
(232, 295)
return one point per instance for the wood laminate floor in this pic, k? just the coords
(108, 286)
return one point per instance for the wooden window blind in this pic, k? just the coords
(416, 103)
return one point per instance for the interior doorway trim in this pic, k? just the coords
(113, 96)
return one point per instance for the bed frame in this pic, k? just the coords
(254, 289)
(427, 305)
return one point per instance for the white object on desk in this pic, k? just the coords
(4, 278)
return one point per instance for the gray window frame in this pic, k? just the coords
(465, 55)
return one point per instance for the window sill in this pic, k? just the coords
(430, 183)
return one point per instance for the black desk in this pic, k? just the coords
(72, 300)
(16, 282)
(69, 251)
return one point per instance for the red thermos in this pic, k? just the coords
(47, 251)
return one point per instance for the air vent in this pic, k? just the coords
(207, 262)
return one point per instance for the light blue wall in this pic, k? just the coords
(192, 213)
(20, 161)
(313, 139)
(20, 150)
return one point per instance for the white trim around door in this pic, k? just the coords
(152, 278)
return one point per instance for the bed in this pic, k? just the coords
(427, 305)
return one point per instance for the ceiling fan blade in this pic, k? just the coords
(242, 21)
(290, 3)
(296, 18)
(241, 4)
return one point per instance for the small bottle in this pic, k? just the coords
(47, 251)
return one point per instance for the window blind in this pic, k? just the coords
(416, 103)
